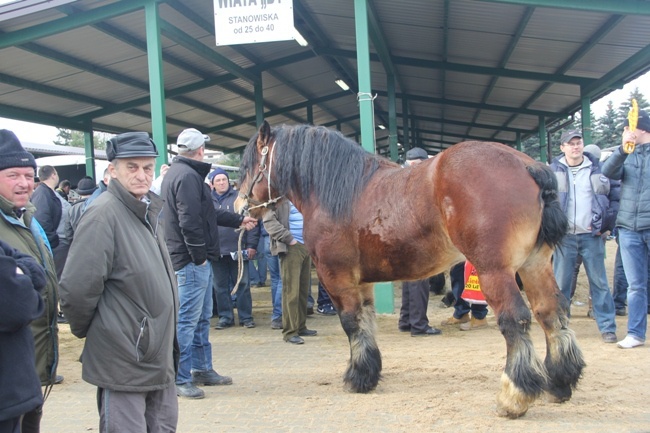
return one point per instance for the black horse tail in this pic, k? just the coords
(554, 220)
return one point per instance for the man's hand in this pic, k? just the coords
(248, 223)
(251, 253)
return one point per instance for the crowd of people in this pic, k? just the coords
(165, 257)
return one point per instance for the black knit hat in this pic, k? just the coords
(86, 186)
(643, 122)
(12, 153)
(130, 145)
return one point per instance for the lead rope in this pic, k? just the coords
(246, 212)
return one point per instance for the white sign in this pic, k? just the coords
(253, 21)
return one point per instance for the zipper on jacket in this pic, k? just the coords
(143, 325)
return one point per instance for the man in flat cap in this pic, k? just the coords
(633, 222)
(20, 230)
(118, 291)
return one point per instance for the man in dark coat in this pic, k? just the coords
(20, 303)
(193, 242)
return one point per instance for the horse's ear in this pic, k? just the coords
(264, 136)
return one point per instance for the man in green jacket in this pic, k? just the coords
(118, 290)
(19, 228)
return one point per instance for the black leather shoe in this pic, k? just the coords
(295, 340)
(428, 331)
(406, 328)
(308, 333)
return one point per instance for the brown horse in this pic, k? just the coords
(369, 220)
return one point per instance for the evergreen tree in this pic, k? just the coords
(68, 137)
(608, 133)
(625, 106)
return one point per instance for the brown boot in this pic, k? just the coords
(453, 321)
(474, 324)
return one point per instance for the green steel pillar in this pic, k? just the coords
(310, 114)
(382, 297)
(90, 154)
(392, 118)
(259, 101)
(586, 120)
(405, 124)
(156, 82)
(365, 86)
(543, 146)
(518, 141)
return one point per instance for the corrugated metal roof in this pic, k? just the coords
(467, 68)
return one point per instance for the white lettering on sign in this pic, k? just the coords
(253, 21)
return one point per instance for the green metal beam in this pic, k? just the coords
(276, 112)
(514, 41)
(187, 41)
(636, 62)
(363, 68)
(475, 105)
(626, 7)
(156, 82)
(468, 124)
(459, 67)
(61, 25)
(596, 36)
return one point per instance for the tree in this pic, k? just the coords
(608, 134)
(625, 106)
(69, 137)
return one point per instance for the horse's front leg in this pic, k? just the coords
(357, 314)
(564, 361)
(524, 377)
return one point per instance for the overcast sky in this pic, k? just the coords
(33, 133)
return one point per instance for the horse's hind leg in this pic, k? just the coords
(564, 361)
(357, 314)
(524, 376)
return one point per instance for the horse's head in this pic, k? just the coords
(256, 191)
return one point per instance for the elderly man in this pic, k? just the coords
(193, 241)
(118, 291)
(19, 229)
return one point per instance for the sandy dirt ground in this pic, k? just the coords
(445, 383)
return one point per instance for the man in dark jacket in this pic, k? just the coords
(21, 230)
(20, 303)
(632, 167)
(118, 291)
(226, 267)
(48, 206)
(584, 194)
(193, 241)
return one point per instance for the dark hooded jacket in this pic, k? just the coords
(190, 218)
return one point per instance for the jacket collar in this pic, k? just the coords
(138, 207)
(8, 208)
(202, 168)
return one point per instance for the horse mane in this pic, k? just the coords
(319, 165)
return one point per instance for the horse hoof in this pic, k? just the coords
(557, 398)
(511, 401)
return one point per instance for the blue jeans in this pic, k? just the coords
(592, 250)
(225, 276)
(323, 296)
(634, 252)
(273, 263)
(257, 275)
(195, 297)
(620, 281)
(462, 307)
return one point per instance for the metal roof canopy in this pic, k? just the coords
(498, 70)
